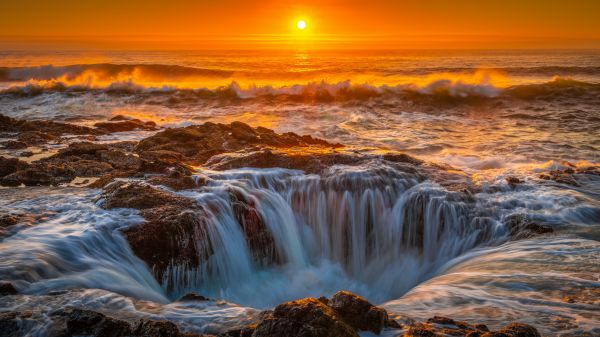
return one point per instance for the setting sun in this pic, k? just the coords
(301, 24)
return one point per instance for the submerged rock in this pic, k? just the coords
(307, 317)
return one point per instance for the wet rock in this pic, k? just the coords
(14, 145)
(521, 227)
(26, 154)
(172, 232)
(358, 312)
(193, 297)
(125, 125)
(10, 324)
(259, 238)
(514, 330)
(562, 177)
(40, 174)
(139, 195)
(8, 124)
(73, 321)
(307, 317)
(81, 322)
(31, 138)
(177, 178)
(513, 181)
(246, 331)
(421, 331)
(6, 288)
(156, 329)
(10, 165)
(196, 144)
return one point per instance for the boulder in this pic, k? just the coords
(307, 317)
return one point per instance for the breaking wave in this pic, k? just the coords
(199, 83)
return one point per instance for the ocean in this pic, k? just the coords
(487, 115)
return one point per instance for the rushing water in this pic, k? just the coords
(386, 232)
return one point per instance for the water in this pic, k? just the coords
(392, 235)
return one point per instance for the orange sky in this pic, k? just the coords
(382, 24)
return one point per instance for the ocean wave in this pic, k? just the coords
(476, 87)
(107, 72)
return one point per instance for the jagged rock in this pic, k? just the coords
(307, 317)
(156, 329)
(6, 288)
(246, 331)
(421, 331)
(358, 312)
(125, 125)
(198, 143)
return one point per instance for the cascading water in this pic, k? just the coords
(372, 229)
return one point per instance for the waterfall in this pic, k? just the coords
(374, 229)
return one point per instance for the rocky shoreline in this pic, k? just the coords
(343, 315)
(146, 175)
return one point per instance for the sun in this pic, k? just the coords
(301, 24)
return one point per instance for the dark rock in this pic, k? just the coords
(307, 317)
(14, 145)
(562, 177)
(149, 328)
(8, 124)
(421, 331)
(514, 330)
(10, 324)
(10, 165)
(521, 227)
(125, 125)
(31, 138)
(513, 180)
(246, 331)
(73, 321)
(40, 174)
(26, 154)
(358, 312)
(6, 288)
(193, 297)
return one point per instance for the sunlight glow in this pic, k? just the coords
(301, 24)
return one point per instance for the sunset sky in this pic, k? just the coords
(384, 24)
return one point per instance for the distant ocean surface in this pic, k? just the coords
(487, 114)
